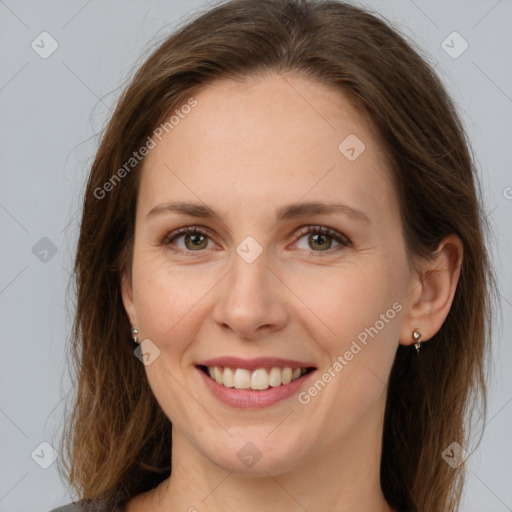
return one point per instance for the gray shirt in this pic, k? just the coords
(92, 506)
(70, 507)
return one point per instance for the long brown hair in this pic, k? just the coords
(117, 440)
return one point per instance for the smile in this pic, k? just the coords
(253, 388)
(256, 380)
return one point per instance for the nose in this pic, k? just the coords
(251, 301)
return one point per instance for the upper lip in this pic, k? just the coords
(254, 364)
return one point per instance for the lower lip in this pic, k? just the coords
(250, 399)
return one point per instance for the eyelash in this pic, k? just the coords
(320, 230)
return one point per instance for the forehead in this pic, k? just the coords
(268, 140)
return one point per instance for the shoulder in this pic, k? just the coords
(90, 506)
(71, 507)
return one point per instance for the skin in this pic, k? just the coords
(246, 150)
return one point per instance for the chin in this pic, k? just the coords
(256, 456)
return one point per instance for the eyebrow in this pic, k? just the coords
(286, 212)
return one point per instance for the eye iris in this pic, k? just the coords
(196, 240)
(318, 238)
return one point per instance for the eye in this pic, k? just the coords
(193, 239)
(321, 238)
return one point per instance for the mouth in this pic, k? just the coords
(259, 379)
(254, 388)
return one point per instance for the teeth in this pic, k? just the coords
(242, 379)
(260, 379)
(275, 377)
(287, 376)
(228, 378)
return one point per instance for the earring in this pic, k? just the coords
(416, 336)
(134, 334)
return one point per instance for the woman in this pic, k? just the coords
(284, 217)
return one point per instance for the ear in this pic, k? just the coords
(433, 290)
(127, 295)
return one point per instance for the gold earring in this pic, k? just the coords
(134, 334)
(416, 336)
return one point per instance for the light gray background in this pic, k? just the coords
(51, 112)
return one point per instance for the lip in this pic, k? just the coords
(254, 364)
(249, 399)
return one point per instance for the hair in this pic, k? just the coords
(117, 440)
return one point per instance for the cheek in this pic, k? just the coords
(349, 301)
(164, 298)
(362, 310)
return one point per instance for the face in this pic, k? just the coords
(263, 276)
